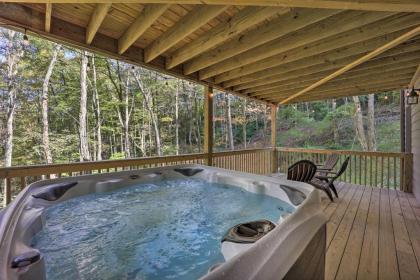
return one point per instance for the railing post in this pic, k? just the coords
(274, 167)
(407, 186)
(208, 124)
(7, 192)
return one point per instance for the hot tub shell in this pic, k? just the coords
(294, 249)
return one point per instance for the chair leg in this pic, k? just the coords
(328, 192)
(333, 189)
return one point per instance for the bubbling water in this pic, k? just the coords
(169, 229)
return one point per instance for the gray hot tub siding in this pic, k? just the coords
(24, 218)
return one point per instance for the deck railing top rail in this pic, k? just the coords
(379, 169)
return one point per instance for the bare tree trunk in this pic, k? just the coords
(126, 121)
(147, 102)
(177, 119)
(371, 123)
(44, 106)
(334, 124)
(229, 122)
(358, 124)
(197, 121)
(83, 134)
(97, 110)
(13, 55)
(244, 123)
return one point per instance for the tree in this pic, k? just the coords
(83, 133)
(371, 123)
(14, 53)
(149, 106)
(97, 111)
(229, 122)
(358, 123)
(44, 106)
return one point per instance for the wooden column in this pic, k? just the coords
(402, 121)
(208, 124)
(274, 166)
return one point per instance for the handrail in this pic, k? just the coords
(45, 169)
(342, 152)
(377, 169)
(381, 169)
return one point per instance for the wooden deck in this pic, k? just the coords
(372, 233)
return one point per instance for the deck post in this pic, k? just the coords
(208, 124)
(274, 167)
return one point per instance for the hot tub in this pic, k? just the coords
(177, 222)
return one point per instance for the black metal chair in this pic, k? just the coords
(304, 171)
(329, 177)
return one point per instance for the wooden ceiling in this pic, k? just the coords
(277, 51)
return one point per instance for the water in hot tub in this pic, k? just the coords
(163, 230)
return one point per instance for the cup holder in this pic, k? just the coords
(248, 232)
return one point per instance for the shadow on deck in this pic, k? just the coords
(372, 233)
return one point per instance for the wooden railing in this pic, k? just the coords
(256, 161)
(377, 169)
(391, 170)
(17, 178)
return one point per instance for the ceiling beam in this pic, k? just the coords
(96, 19)
(287, 23)
(196, 18)
(367, 5)
(349, 38)
(243, 20)
(357, 62)
(48, 12)
(415, 81)
(332, 91)
(356, 78)
(329, 27)
(147, 17)
(353, 92)
(407, 59)
(399, 54)
(331, 59)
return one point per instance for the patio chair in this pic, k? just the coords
(304, 171)
(329, 164)
(331, 176)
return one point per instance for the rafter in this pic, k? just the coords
(357, 62)
(347, 90)
(353, 92)
(329, 91)
(327, 60)
(287, 23)
(48, 12)
(404, 60)
(357, 78)
(329, 27)
(358, 35)
(196, 18)
(368, 5)
(243, 20)
(148, 16)
(415, 81)
(96, 19)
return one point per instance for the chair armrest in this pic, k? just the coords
(324, 177)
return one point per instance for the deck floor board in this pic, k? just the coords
(372, 233)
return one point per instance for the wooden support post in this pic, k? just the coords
(407, 185)
(208, 124)
(274, 166)
(7, 194)
(402, 121)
